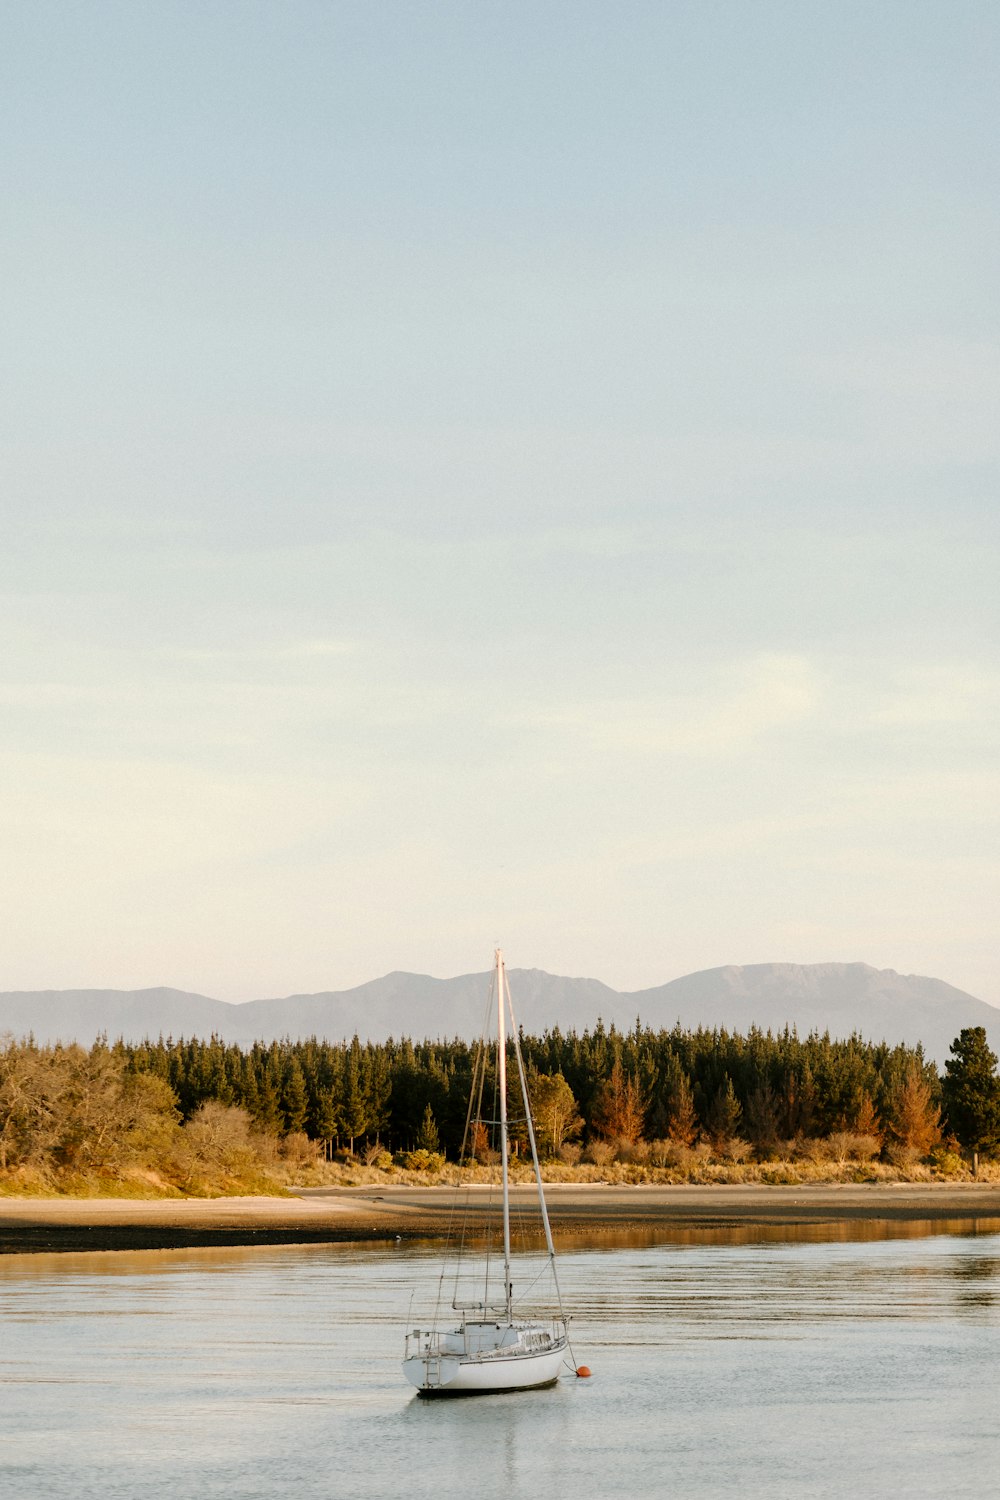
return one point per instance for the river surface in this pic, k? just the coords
(770, 1368)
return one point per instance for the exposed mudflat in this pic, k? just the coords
(337, 1215)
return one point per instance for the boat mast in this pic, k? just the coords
(502, 1086)
(522, 1075)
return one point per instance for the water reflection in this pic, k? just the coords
(757, 1363)
(978, 1268)
(130, 1263)
(979, 1282)
(845, 1231)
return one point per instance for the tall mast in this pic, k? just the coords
(502, 1086)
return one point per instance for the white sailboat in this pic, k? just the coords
(497, 1345)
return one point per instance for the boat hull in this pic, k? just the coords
(488, 1376)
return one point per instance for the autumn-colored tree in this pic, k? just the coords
(619, 1112)
(29, 1105)
(89, 1105)
(217, 1139)
(480, 1147)
(864, 1117)
(78, 1110)
(554, 1111)
(915, 1119)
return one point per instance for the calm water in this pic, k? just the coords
(763, 1369)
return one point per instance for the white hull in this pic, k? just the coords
(443, 1374)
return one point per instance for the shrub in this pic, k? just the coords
(848, 1145)
(297, 1150)
(420, 1160)
(634, 1153)
(663, 1153)
(947, 1161)
(600, 1153)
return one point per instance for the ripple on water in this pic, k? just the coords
(749, 1367)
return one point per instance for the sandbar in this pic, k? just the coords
(580, 1214)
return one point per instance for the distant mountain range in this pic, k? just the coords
(879, 1004)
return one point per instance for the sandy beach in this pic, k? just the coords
(592, 1212)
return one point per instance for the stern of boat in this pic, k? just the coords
(428, 1362)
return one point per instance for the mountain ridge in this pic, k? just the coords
(842, 998)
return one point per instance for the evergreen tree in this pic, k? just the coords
(427, 1136)
(326, 1096)
(376, 1083)
(355, 1110)
(682, 1121)
(723, 1116)
(294, 1099)
(762, 1119)
(676, 1109)
(269, 1071)
(971, 1091)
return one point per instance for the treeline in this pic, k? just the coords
(73, 1118)
(209, 1116)
(603, 1085)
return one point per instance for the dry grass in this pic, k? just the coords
(28, 1184)
(674, 1166)
(142, 1183)
(847, 1160)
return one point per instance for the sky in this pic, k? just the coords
(518, 472)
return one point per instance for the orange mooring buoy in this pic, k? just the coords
(583, 1371)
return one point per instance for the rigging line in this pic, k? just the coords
(522, 1075)
(466, 1153)
(475, 1111)
(491, 1144)
(479, 1071)
(473, 1119)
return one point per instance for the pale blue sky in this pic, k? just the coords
(520, 472)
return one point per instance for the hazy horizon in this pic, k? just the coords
(338, 989)
(518, 473)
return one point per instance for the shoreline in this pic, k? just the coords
(591, 1212)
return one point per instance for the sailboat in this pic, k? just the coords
(497, 1345)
